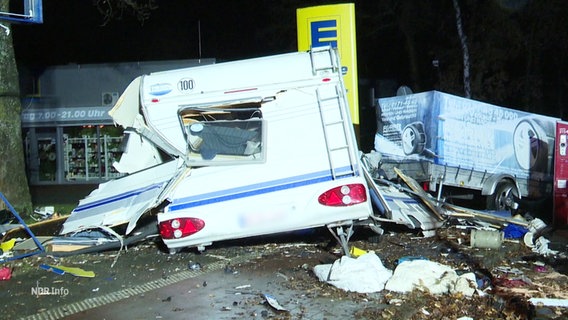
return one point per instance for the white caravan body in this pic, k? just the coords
(234, 150)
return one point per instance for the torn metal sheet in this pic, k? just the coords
(125, 112)
(441, 208)
(424, 197)
(122, 200)
(404, 209)
(461, 212)
(139, 153)
(400, 207)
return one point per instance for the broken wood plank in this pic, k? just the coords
(56, 247)
(423, 195)
(49, 227)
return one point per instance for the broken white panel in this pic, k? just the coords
(139, 154)
(126, 110)
(407, 210)
(364, 274)
(119, 201)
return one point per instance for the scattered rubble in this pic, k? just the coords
(502, 266)
(364, 274)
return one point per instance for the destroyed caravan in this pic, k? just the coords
(234, 150)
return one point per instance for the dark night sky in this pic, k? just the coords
(392, 43)
(229, 30)
(72, 32)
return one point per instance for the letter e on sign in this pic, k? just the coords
(324, 33)
(185, 85)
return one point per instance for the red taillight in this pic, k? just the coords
(345, 195)
(180, 227)
(426, 185)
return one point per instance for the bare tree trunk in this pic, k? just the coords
(13, 180)
(463, 39)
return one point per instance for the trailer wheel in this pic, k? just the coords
(503, 197)
(413, 138)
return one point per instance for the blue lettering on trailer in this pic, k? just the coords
(324, 33)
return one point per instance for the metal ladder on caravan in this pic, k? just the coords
(331, 63)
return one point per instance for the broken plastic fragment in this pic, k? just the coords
(274, 303)
(5, 273)
(7, 245)
(194, 265)
(536, 225)
(78, 272)
(356, 252)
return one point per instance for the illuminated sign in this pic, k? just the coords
(324, 33)
(333, 25)
(66, 115)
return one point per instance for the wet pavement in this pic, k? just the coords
(220, 293)
(230, 280)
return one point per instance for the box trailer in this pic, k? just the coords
(233, 150)
(463, 148)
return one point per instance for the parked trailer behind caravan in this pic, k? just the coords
(465, 147)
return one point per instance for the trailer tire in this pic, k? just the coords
(503, 198)
(413, 138)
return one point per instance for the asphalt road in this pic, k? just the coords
(230, 280)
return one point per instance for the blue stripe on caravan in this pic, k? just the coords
(116, 198)
(253, 190)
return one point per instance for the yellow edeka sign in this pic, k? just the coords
(333, 25)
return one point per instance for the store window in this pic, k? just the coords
(47, 155)
(90, 151)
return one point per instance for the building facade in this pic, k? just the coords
(69, 138)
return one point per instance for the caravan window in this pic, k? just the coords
(227, 135)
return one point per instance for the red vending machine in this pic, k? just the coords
(561, 175)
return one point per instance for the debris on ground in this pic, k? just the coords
(434, 277)
(43, 213)
(273, 302)
(364, 274)
(502, 266)
(5, 273)
(61, 270)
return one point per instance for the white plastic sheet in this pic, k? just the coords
(430, 276)
(364, 274)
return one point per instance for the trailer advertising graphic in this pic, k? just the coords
(458, 132)
(333, 25)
